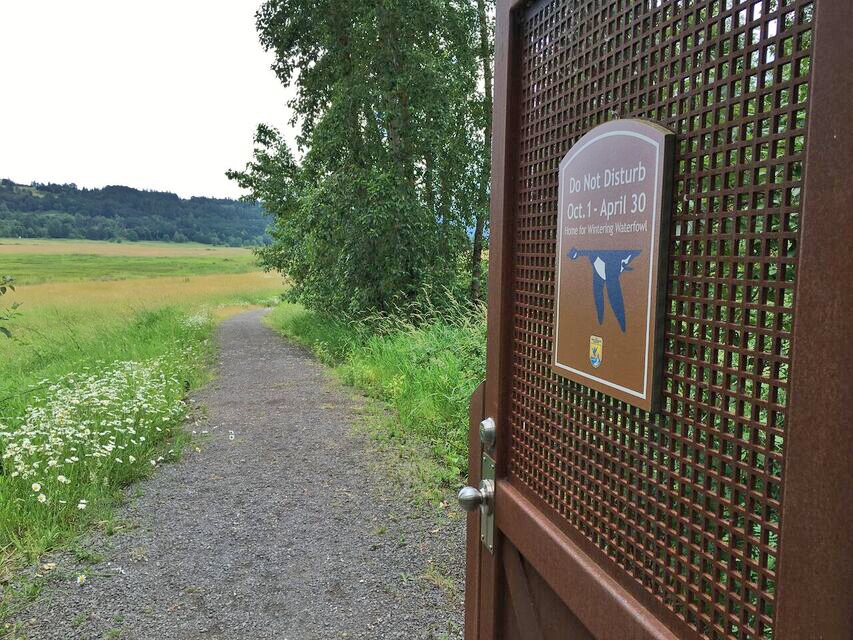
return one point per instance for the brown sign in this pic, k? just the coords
(614, 199)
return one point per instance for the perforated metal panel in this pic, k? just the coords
(684, 504)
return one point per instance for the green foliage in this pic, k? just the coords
(7, 283)
(425, 370)
(123, 213)
(380, 206)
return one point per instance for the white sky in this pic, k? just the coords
(160, 94)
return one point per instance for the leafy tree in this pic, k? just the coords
(380, 206)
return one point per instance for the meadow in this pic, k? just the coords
(105, 345)
(38, 261)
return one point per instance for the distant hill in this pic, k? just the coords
(123, 213)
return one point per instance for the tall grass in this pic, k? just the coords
(424, 368)
(84, 422)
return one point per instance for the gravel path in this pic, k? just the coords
(286, 531)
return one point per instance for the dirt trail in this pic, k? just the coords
(286, 531)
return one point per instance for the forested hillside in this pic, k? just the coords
(123, 213)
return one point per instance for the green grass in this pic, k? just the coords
(34, 268)
(424, 372)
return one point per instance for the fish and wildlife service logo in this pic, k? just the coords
(596, 351)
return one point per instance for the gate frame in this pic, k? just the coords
(814, 597)
(816, 547)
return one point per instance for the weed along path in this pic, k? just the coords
(283, 525)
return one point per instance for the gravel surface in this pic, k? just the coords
(288, 531)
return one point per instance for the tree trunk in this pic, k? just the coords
(396, 97)
(483, 208)
(477, 258)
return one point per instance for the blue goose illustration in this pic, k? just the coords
(607, 267)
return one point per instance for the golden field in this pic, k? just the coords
(142, 293)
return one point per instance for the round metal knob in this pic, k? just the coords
(469, 498)
(488, 433)
(484, 497)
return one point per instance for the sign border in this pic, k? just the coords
(650, 395)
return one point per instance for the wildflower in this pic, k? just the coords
(63, 479)
(36, 486)
(131, 459)
(81, 579)
(42, 498)
(153, 463)
(82, 504)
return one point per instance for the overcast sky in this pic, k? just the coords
(161, 94)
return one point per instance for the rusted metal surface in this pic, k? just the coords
(518, 592)
(596, 599)
(682, 509)
(816, 555)
(496, 392)
(558, 622)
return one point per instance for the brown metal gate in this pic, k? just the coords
(726, 515)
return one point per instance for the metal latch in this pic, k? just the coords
(471, 498)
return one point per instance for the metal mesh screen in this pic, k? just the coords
(686, 503)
